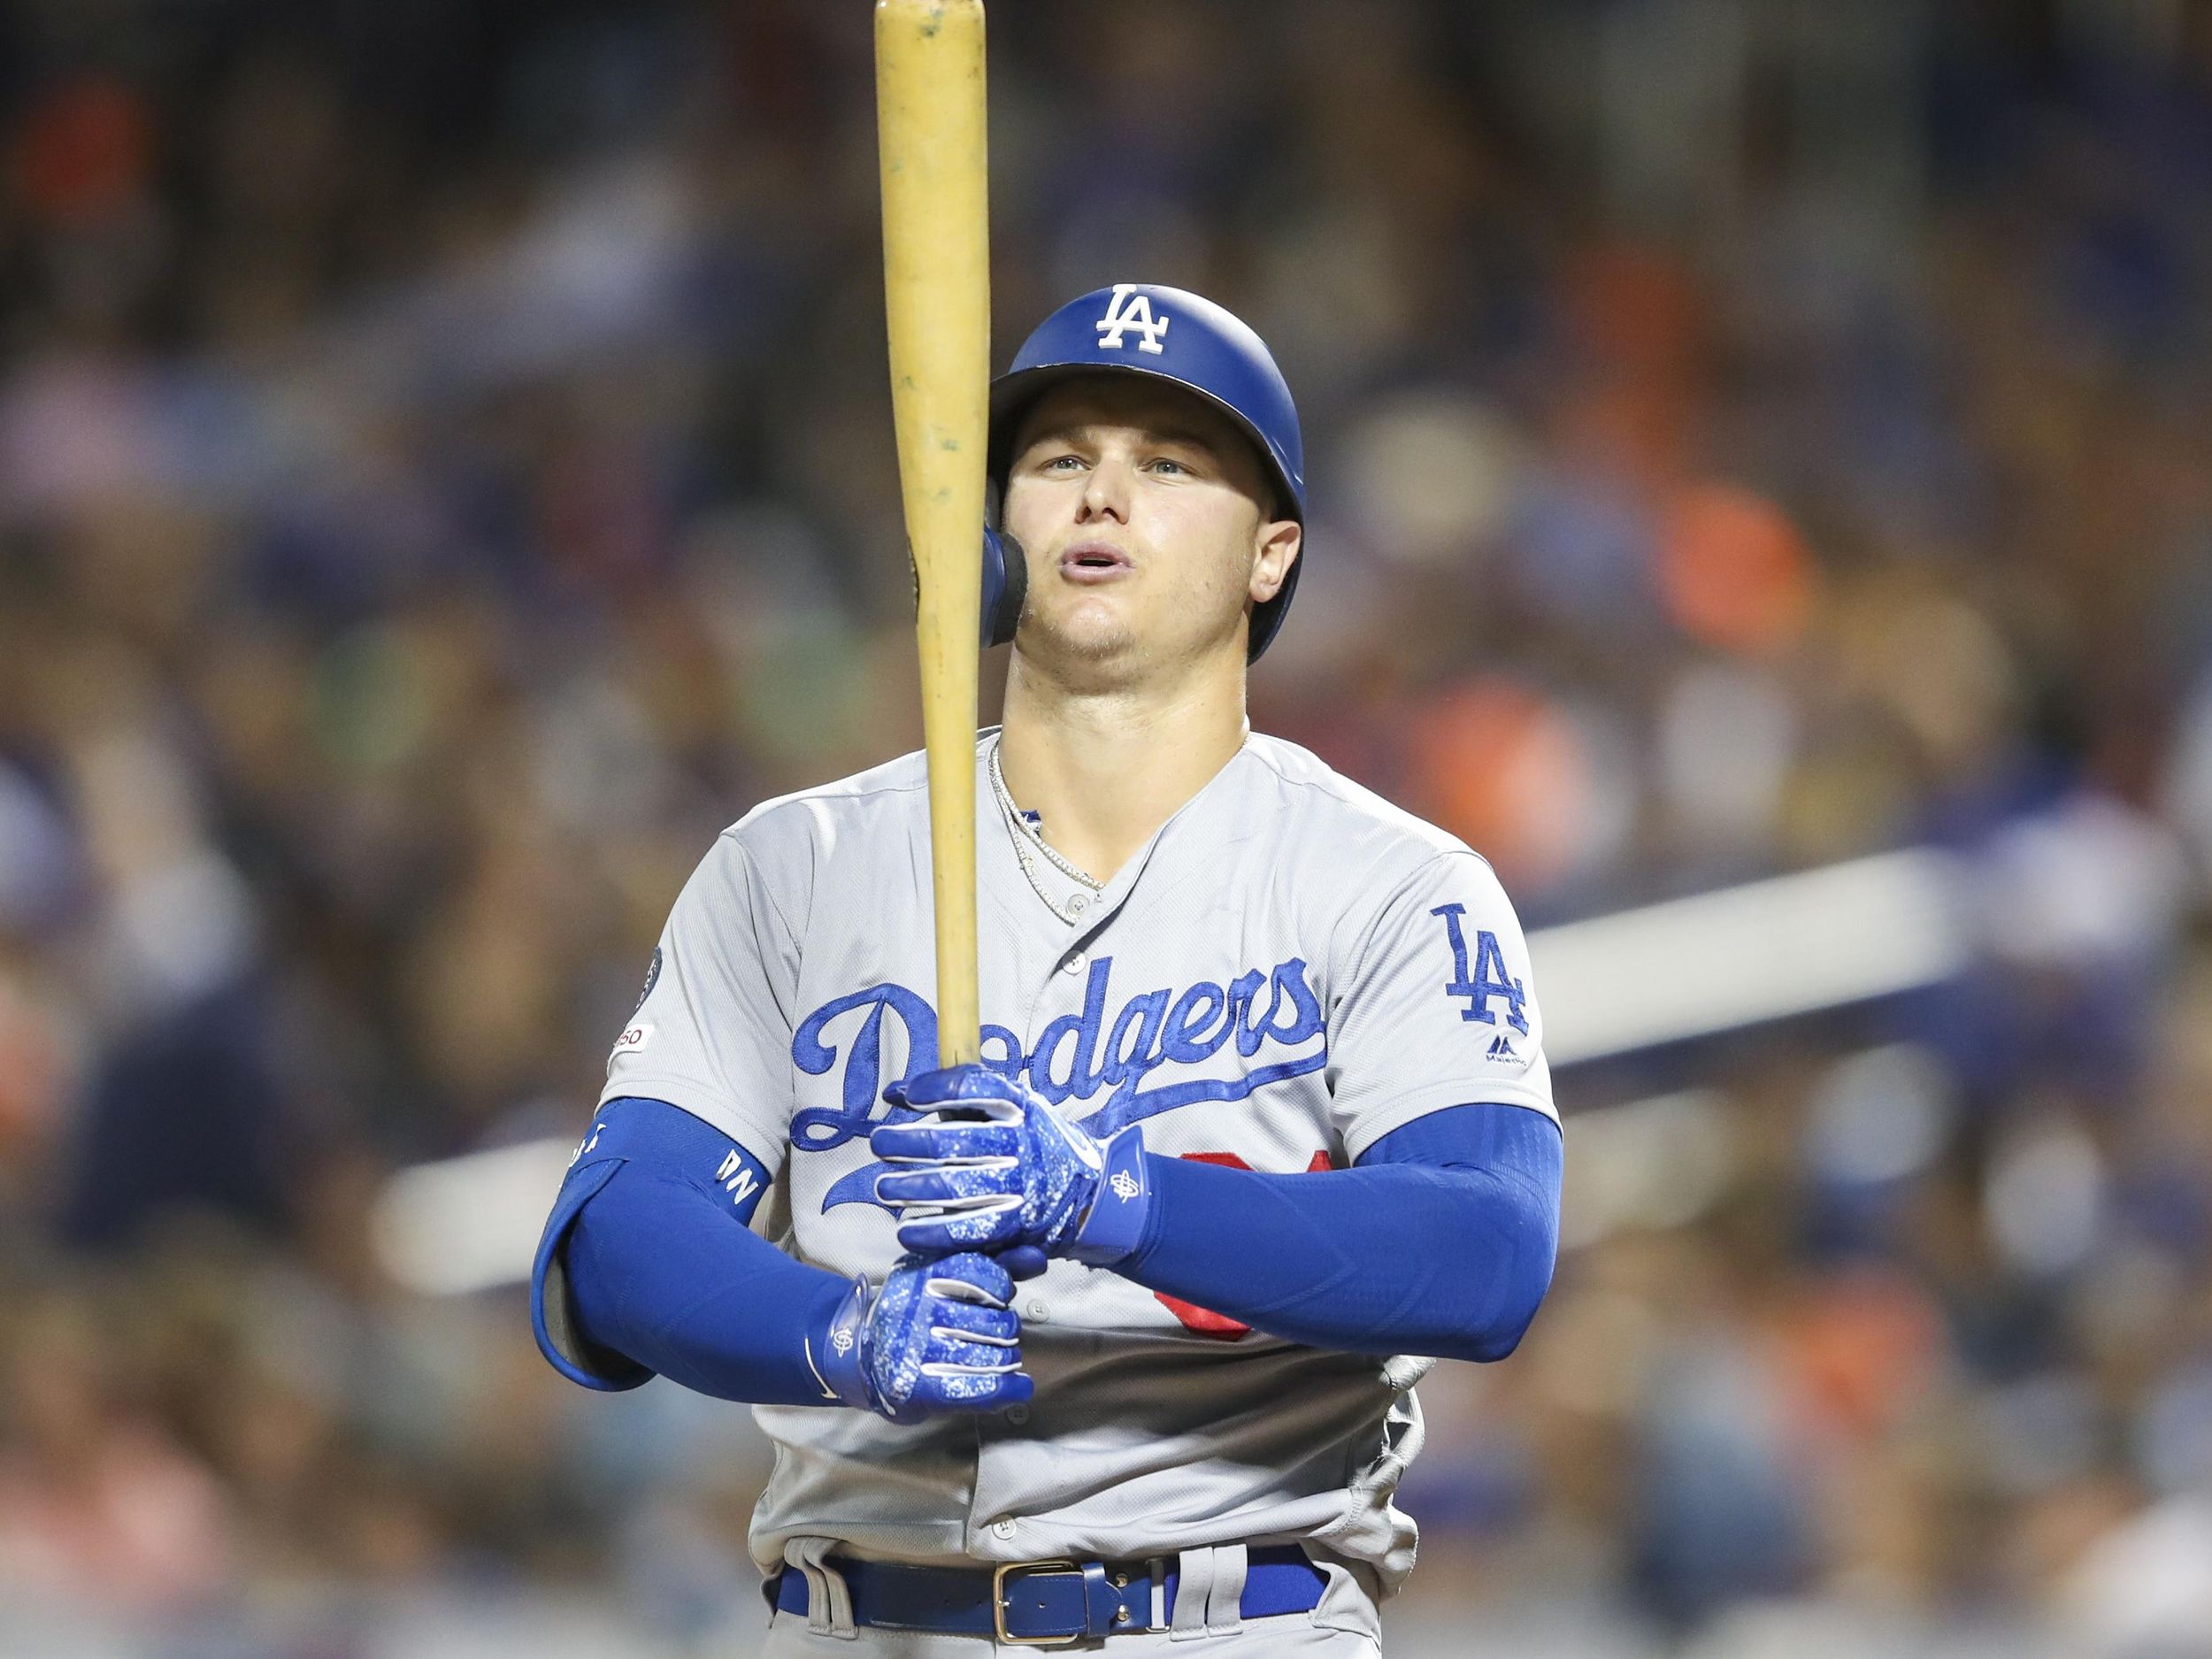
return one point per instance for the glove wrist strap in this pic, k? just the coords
(1114, 1224)
(842, 1362)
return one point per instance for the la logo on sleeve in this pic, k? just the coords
(1489, 979)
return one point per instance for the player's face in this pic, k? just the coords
(1148, 523)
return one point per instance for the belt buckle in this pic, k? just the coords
(999, 1576)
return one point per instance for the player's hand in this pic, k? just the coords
(935, 1337)
(990, 1165)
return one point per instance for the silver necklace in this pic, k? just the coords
(1030, 834)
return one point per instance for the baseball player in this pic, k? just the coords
(1108, 1338)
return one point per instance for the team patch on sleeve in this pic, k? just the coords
(652, 978)
(1489, 981)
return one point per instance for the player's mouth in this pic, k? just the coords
(1091, 561)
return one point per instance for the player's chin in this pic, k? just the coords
(1089, 632)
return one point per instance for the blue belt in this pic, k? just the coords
(1045, 1602)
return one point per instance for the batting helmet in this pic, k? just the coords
(1142, 329)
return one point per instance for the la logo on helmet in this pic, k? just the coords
(1128, 309)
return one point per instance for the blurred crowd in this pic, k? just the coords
(446, 475)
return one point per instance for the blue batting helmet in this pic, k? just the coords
(1142, 328)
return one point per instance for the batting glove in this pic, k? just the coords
(991, 1166)
(935, 1337)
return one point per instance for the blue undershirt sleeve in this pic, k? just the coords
(1441, 1242)
(647, 1265)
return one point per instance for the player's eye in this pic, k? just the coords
(1060, 462)
(1170, 465)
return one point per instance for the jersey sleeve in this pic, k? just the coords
(712, 1030)
(1438, 1008)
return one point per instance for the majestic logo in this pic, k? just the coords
(1501, 1048)
(1489, 979)
(1084, 1057)
(1128, 309)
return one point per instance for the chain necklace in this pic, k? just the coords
(1029, 834)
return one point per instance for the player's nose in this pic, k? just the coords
(1106, 491)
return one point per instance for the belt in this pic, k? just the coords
(1044, 1603)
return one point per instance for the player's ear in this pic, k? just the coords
(1279, 541)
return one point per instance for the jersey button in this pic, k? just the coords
(1003, 1528)
(1078, 904)
(1039, 1309)
(1074, 963)
(1017, 1415)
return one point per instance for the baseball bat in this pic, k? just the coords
(936, 287)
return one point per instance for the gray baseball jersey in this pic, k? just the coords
(1290, 969)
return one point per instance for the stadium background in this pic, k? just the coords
(446, 475)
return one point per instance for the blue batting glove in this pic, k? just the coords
(990, 1165)
(935, 1337)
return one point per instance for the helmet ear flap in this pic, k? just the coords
(1006, 571)
(1005, 586)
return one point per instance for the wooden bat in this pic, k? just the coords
(936, 289)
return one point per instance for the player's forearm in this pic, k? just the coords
(659, 1274)
(1447, 1257)
(647, 1265)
